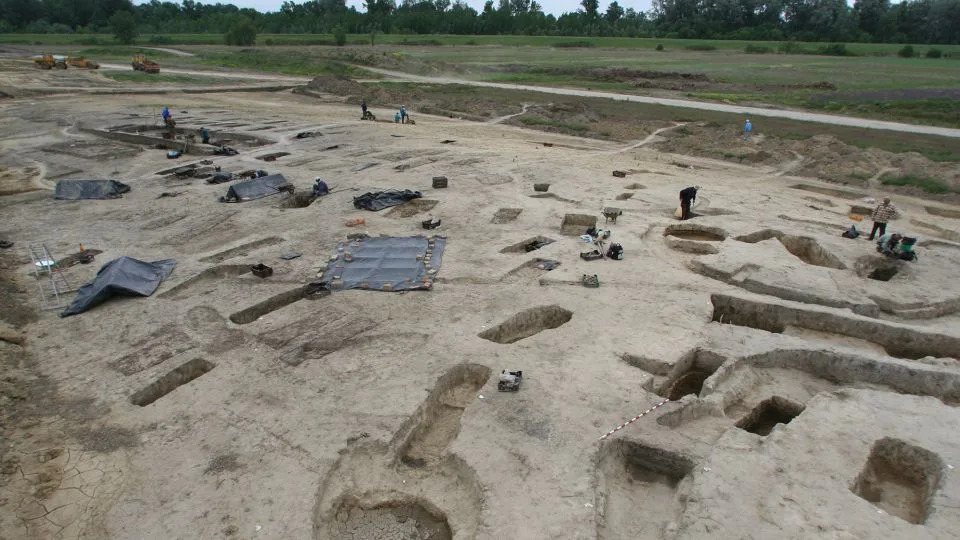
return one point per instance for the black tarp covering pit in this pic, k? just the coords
(75, 190)
(385, 263)
(124, 276)
(256, 188)
(376, 201)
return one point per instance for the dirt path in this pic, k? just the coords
(174, 52)
(211, 73)
(648, 139)
(509, 116)
(701, 105)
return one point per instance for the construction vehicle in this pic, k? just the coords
(82, 62)
(49, 61)
(142, 63)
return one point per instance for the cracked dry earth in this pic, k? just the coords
(809, 396)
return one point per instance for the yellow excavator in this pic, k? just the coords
(82, 62)
(49, 61)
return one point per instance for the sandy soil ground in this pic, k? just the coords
(800, 394)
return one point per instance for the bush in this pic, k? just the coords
(340, 36)
(906, 52)
(835, 49)
(124, 27)
(242, 33)
(659, 46)
(160, 40)
(573, 44)
(930, 185)
(700, 48)
(756, 49)
(790, 47)
(934, 53)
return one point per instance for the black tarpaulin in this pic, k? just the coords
(123, 276)
(256, 188)
(385, 263)
(379, 200)
(74, 190)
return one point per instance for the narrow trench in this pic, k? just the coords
(254, 312)
(527, 323)
(171, 381)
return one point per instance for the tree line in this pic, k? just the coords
(910, 21)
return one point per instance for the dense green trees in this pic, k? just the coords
(124, 26)
(915, 21)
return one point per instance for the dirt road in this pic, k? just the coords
(281, 79)
(702, 105)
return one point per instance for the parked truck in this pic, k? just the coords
(142, 63)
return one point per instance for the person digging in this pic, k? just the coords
(882, 215)
(687, 198)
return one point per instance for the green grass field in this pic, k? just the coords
(444, 40)
(878, 84)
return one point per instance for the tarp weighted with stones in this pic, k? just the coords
(124, 276)
(74, 190)
(379, 200)
(385, 263)
(256, 188)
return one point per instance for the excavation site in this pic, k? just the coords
(272, 318)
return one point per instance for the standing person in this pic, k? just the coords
(747, 128)
(882, 215)
(205, 135)
(363, 107)
(687, 196)
(403, 114)
(165, 113)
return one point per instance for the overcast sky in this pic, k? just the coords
(549, 6)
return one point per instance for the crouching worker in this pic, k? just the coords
(320, 188)
(889, 244)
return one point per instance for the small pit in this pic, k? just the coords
(770, 412)
(689, 382)
(400, 520)
(505, 215)
(900, 479)
(269, 305)
(530, 244)
(300, 199)
(624, 196)
(860, 210)
(412, 208)
(541, 187)
(635, 185)
(884, 273)
(527, 323)
(577, 224)
(171, 381)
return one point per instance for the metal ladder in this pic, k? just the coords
(52, 283)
